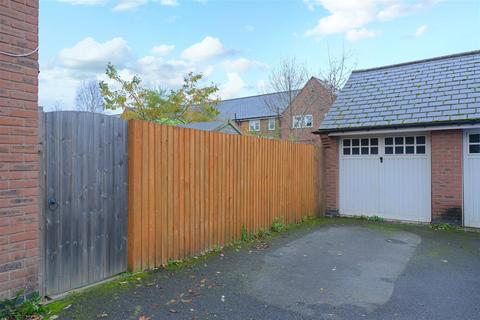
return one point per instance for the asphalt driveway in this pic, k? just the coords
(331, 269)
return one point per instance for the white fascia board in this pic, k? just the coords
(400, 130)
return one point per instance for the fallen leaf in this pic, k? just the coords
(144, 318)
(173, 301)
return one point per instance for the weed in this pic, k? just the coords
(369, 218)
(442, 226)
(16, 309)
(263, 233)
(375, 219)
(306, 218)
(245, 236)
(278, 225)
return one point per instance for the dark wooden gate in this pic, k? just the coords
(85, 198)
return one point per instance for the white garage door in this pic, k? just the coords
(386, 176)
(471, 178)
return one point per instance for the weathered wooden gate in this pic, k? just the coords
(85, 198)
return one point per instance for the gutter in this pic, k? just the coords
(431, 126)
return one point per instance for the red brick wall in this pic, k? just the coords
(19, 192)
(447, 197)
(331, 176)
(313, 99)
(264, 132)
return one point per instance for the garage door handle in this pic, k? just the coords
(381, 159)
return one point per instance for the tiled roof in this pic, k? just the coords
(443, 89)
(211, 126)
(259, 106)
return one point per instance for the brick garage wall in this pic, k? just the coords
(447, 194)
(19, 183)
(330, 173)
(313, 99)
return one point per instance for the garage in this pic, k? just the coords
(386, 176)
(471, 178)
(403, 142)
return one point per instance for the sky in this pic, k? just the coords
(236, 44)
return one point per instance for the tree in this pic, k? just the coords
(336, 74)
(288, 77)
(88, 97)
(189, 103)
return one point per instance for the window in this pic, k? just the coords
(297, 122)
(305, 121)
(271, 124)
(405, 145)
(254, 125)
(365, 146)
(474, 143)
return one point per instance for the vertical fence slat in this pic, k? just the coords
(193, 190)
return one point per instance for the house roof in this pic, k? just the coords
(259, 106)
(425, 92)
(211, 126)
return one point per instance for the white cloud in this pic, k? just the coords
(84, 2)
(163, 49)
(206, 49)
(310, 4)
(420, 31)
(87, 59)
(352, 16)
(126, 5)
(57, 85)
(242, 65)
(169, 2)
(249, 28)
(358, 34)
(344, 15)
(91, 55)
(156, 71)
(233, 87)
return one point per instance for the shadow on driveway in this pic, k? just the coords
(345, 269)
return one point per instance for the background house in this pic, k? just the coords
(289, 115)
(403, 142)
(225, 126)
(306, 112)
(258, 114)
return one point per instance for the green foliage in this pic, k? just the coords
(370, 218)
(278, 225)
(244, 236)
(263, 234)
(187, 104)
(16, 309)
(375, 219)
(442, 226)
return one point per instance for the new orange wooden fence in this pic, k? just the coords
(190, 190)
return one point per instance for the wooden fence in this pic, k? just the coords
(190, 191)
(84, 183)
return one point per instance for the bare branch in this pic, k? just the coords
(88, 97)
(337, 73)
(288, 77)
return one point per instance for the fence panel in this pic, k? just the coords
(193, 190)
(85, 198)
